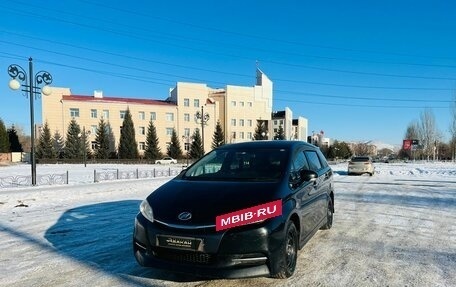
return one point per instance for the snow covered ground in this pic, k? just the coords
(396, 228)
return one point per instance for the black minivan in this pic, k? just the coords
(242, 210)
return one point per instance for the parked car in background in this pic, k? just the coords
(212, 219)
(166, 160)
(361, 165)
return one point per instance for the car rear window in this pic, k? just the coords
(360, 159)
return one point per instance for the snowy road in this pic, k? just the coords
(396, 228)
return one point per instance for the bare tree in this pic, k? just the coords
(453, 129)
(429, 133)
(360, 149)
(413, 131)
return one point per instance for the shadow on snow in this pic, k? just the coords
(100, 235)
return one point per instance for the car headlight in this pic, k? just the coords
(146, 210)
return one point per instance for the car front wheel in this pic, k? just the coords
(289, 253)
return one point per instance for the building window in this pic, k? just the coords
(233, 103)
(249, 104)
(93, 145)
(106, 114)
(142, 130)
(233, 122)
(241, 135)
(93, 129)
(187, 132)
(249, 123)
(170, 117)
(153, 116)
(233, 135)
(275, 122)
(142, 145)
(241, 123)
(281, 122)
(249, 135)
(187, 117)
(169, 131)
(93, 113)
(142, 115)
(186, 102)
(122, 114)
(74, 113)
(196, 103)
(241, 104)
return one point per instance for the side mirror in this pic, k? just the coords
(309, 175)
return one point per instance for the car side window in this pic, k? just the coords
(300, 162)
(323, 161)
(314, 161)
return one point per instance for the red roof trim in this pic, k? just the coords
(116, 100)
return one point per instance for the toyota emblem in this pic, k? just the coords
(185, 215)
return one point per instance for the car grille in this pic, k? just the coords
(181, 256)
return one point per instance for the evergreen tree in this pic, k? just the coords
(15, 145)
(152, 151)
(196, 148)
(339, 150)
(260, 129)
(174, 148)
(112, 142)
(128, 147)
(4, 138)
(45, 148)
(73, 144)
(218, 139)
(102, 140)
(280, 134)
(58, 144)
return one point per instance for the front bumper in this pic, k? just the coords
(248, 251)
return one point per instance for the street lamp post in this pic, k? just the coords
(83, 136)
(204, 118)
(33, 90)
(187, 145)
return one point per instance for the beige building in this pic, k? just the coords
(189, 106)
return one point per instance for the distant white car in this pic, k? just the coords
(166, 160)
(361, 165)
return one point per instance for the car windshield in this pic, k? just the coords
(240, 165)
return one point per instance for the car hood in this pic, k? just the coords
(207, 199)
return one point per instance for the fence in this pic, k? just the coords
(98, 176)
(23, 180)
(113, 174)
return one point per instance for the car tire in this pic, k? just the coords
(329, 215)
(289, 253)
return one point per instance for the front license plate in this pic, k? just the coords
(177, 242)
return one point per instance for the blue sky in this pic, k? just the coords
(358, 70)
